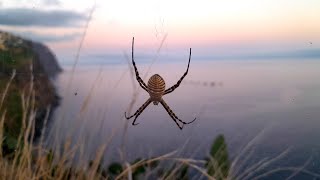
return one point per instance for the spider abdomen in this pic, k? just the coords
(156, 86)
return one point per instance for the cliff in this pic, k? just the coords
(46, 59)
(35, 65)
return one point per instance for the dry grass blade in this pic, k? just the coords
(82, 41)
(7, 88)
(142, 162)
(93, 170)
(156, 57)
(129, 171)
(62, 114)
(233, 169)
(3, 115)
(294, 169)
(300, 169)
(265, 164)
(43, 131)
(190, 162)
(251, 168)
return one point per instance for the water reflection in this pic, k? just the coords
(279, 98)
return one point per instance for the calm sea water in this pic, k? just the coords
(263, 108)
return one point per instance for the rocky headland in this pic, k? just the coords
(35, 67)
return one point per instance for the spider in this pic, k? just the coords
(156, 89)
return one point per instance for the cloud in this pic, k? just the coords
(306, 53)
(34, 17)
(46, 37)
(51, 2)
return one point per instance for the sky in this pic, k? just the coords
(208, 26)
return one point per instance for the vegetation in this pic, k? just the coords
(27, 80)
(218, 164)
(30, 161)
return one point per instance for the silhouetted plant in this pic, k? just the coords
(218, 163)
(50, 156)
(115, 168)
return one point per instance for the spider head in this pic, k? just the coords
(155, 102)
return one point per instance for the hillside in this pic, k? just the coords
(34, 66)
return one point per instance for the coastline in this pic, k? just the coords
(47, 60)
(36, 68)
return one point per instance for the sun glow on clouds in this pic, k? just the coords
(196, 22)
(206, 21)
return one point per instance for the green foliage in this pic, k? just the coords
(18, 59)
(10, 142)
(115, 168)
(139, 172)
(14, 60)
(177, 171)
(183, 173)
(218, 163)
(13, 122)
(50, 156)
(14, 110)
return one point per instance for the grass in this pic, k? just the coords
(29, 81)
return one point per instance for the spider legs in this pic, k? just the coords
(171, 89)
(173, 116)
(141, 83)
(138, 112)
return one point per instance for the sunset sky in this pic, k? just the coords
(208, 26)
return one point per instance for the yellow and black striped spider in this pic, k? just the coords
(156, 89)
